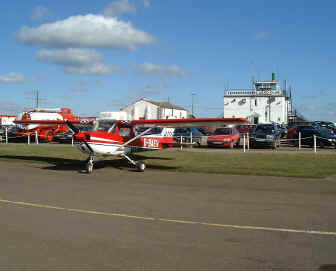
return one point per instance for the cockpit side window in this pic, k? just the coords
(106, 126)
(113, 128)
(125, 131)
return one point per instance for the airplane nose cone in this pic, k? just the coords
(80, 136)
(83, 136)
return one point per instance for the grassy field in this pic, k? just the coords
(306, 165)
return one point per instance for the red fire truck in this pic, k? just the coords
(45, 133)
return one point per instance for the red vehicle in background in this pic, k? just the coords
(245, 128)
(45, 132)
(224, 137)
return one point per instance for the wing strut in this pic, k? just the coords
(136, 137)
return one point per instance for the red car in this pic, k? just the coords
(245, 128)
(224, 137)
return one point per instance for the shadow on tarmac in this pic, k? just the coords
(64, 164)
(327, 267)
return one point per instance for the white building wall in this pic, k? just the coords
(141, 110)
(249, 107)
(146, 110)
(168, 113)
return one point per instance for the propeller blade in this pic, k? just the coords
(72, 127)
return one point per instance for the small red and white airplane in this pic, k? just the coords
(119, 138)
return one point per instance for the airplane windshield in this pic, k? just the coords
(105, 125)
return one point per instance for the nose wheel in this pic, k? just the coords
(89, 165)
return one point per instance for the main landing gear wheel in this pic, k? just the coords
(141, 166)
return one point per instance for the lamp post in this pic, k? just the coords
(192, 103)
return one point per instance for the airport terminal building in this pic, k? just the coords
(266, 103)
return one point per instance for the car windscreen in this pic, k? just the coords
(265, 129)
(187, 131)
(223, 131)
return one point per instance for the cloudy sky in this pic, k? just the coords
(95, 56)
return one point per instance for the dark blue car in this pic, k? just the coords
(265, 135)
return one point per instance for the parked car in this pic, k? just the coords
(328, 125)
(283, 131)
(323, 137)
(15, 134)
(224, 137)
(67, 137)
(245, 128)
(291, 130)
(64, 137)
(188, 134)
(265, 135)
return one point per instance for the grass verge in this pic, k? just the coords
(267, 164)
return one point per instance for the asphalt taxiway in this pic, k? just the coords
(124, 220)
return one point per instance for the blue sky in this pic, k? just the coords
(95, 56)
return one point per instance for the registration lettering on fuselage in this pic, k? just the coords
(151, 143)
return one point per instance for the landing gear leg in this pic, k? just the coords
(139, 165)
(89, 164)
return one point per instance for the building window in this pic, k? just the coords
(255, 102)
(242, 101)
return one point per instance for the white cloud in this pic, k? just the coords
(117, 8)
(12, 77)
(77, 61)
(147, 3)
(90, 31)
(157, 70)
(41, 13)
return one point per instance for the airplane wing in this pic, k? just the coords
(189, 122)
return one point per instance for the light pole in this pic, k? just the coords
(192, 103)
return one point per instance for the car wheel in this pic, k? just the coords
(49, 137)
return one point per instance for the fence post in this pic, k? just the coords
(36, 137)
(72, 140)
(248, 141)
(28, 138)
(6, 134)
(314, 143)
(181, 144)
(299, 140)
(244, 142)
